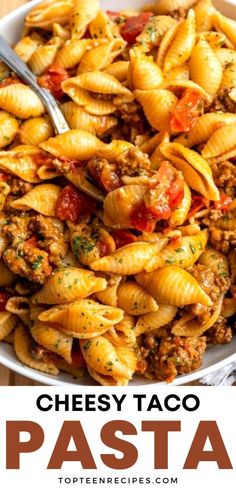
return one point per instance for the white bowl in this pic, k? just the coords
(215, 357)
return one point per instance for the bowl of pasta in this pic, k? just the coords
(133, 280)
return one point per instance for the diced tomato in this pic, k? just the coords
(3, 300)
(123, 237)
(142, 219)
(103, 248)
(134, 26)
(32, 241)
(53, 78)
(175, 193)
(186, 111)
(198, 202)
(72, 204)
(223, 203)
(165, 193)
(4, 176)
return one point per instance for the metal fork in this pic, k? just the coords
(60, 124)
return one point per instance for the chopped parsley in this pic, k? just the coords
(170, 260)
(179, 250)
(192, 248)
(37, 263)
(82, 245)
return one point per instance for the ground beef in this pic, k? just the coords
(220, 332)
(172, 356)
(16, 230)
(222, 240)
(134, 162)
(19, 187)
(222, 102)
(51, 239)
(178, 14)
(224, 175)
(28, 261)
(130, 112)
(105, 173)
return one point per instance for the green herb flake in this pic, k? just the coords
(37, 263)
(82, 245)
(179, 250)
(192, 248)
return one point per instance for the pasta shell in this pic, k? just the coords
(157, 105)
(67, 285)
(119, 204)
(229, 307)
(26, 47)
(225, 56)
(98, 82)
(204, 11)
(107, 380)
(173, 285)
(76, 144)
(183, 43)
(194, 168)
(205, 67)
(35, 199)
(78, 118)
(204, 127)
(119, 70)
(154, 320)
(223, 140)
(127, 260)
(154, 30)
(109, 295)
(53, 340)
(165, 43)
(35, 131)
(123, 333)
(48, 12)
(84, 99)
(102, 26)
(19, 306)
(135, 300)
(167, 6)
(144, 74)
(101, 356)
(101, 56)
(192, 328)
(8, 129)
(83, 13)
(7, 324)
(82, 319)
(216, 261)
(229, 77)
(114, 150)
(62, 32)
(20, 162)
(71, 53)
(225, 25)
(179, 215)
(21, 101)
(44, 56)
(23, 344)
(185, 254)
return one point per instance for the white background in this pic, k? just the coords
(217, 404)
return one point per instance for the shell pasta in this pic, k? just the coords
(118, 236)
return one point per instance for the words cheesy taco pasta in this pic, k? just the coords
(139, 278)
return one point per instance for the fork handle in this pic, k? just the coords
(21, 69)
